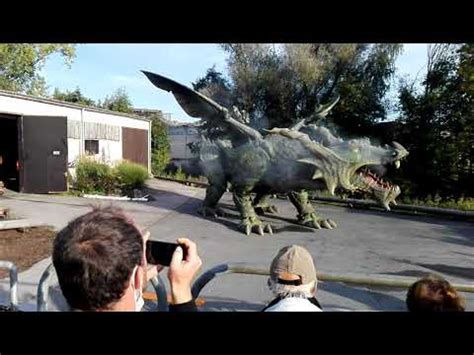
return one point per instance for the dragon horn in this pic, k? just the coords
(323, 110)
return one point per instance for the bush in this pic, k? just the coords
(130, 176)
(465, 204)
(159, 161)
(94, 177)
(180, 175)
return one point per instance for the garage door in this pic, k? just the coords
(135, 145)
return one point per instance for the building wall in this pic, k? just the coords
(180, 137)
(109, 149)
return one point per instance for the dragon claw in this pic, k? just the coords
(261, 210)
(312, 220)
(325, 224)
(332, 223)
(268, 229)
(211, 212)
(253, 224)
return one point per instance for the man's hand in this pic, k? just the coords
(182, 271)
(152, 271)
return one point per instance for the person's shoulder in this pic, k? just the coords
(294, 305)
(183, 307)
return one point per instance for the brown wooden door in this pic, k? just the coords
(135, 145)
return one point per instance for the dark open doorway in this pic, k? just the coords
(9, 172)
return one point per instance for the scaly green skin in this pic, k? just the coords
(285, 162)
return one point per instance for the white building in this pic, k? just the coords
(180, 133)
(41, 138)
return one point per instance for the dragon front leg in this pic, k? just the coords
(306, 214)
(249, 219)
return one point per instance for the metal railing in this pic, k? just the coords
(13, 273)
(227, 269)
(161, 293)
(45, 280)
(241, 268)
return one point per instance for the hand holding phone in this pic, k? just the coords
(161, 253)
(184, 266)
(183, 262)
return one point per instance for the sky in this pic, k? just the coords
(100, 69)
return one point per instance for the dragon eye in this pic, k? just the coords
(394, 154)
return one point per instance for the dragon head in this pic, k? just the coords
(345, 163)
(361, 155)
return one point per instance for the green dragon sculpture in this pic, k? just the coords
(292, 160)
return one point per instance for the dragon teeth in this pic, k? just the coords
(397, 164)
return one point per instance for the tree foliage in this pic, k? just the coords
(437, 124)
(119, 101)
(160, 144)
(20, 65)
(74, 96)
(278, 85)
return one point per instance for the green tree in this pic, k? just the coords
(119, 101)
(160, 144)
(441, 117)
(362, 84)
(279, 85)
(215, 86)
(73, 96)
(20, 65)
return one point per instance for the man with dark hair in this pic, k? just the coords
(101, 265)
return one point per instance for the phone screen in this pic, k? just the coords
(160, 253)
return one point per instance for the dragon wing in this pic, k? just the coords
(197, 105)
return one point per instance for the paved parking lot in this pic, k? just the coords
(365, 243)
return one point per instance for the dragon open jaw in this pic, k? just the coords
(372, 180)
(384, 192)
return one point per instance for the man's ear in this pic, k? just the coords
(139, 277)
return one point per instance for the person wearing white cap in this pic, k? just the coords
(293, 281)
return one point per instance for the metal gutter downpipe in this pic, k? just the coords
(82, 146)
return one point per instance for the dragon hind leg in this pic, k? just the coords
(213, 194)
(261, 204)
(306, 214)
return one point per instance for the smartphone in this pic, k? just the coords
(160, 253)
